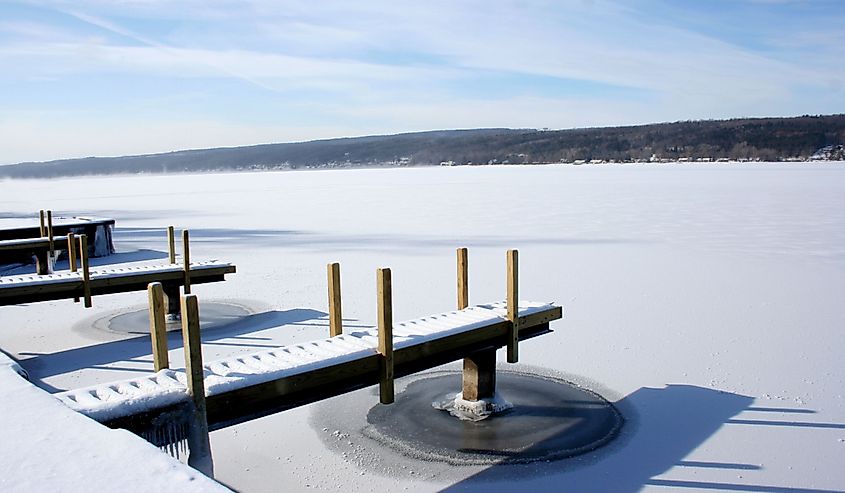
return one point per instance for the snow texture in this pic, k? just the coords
(48, 447)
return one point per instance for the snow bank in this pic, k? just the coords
(56, 449)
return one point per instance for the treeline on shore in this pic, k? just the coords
(763, 139)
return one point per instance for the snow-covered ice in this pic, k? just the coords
(705, 300)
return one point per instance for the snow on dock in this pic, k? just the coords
(167, 387)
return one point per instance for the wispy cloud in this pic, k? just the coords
(298, 68)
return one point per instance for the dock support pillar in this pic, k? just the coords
(42, 263)
(479, 375)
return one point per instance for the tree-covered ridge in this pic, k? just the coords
(768, 139)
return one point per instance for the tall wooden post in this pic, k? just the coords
(186, 257)
(71, 256)
(463, 279)
(158, 326)
(513, 305)
(199, 446)
(51, 256)
(385, 335)
(71, 252)
(335, 314)
(50, 232)
(86, 272)
(171, 244)
(42, 229)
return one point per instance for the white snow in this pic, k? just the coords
(704, 299)
(48, 447)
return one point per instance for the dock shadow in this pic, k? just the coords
(663, 426)
(41, 366)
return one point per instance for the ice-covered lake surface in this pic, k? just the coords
(705, 300)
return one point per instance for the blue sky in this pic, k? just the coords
(115, 77)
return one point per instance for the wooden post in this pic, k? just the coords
(86, 273)
(71, 257)
(186, 257)
(335, 315)
(71, 252)
(42, 230)
(199, 447)
(385, 335)
(463, 279)
(158, 326)
(171, 244)
(52, 255)
(513, 305)
(50, 232)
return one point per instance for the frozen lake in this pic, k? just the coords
(705, 300)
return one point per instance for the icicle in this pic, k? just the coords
(169, 432)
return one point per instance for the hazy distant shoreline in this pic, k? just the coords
(805, 138)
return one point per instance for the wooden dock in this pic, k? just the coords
(98, 230)
(246, 387)
(85, 283)
(64, 285)
(223, 393)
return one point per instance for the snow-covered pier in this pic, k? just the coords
(174, 405)
(98, 230)
(85, 283)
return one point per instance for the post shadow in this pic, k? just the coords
(663, 426)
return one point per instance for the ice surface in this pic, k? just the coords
(704, 299)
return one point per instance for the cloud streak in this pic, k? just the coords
(301, 67)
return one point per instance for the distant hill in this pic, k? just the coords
(769, 139)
